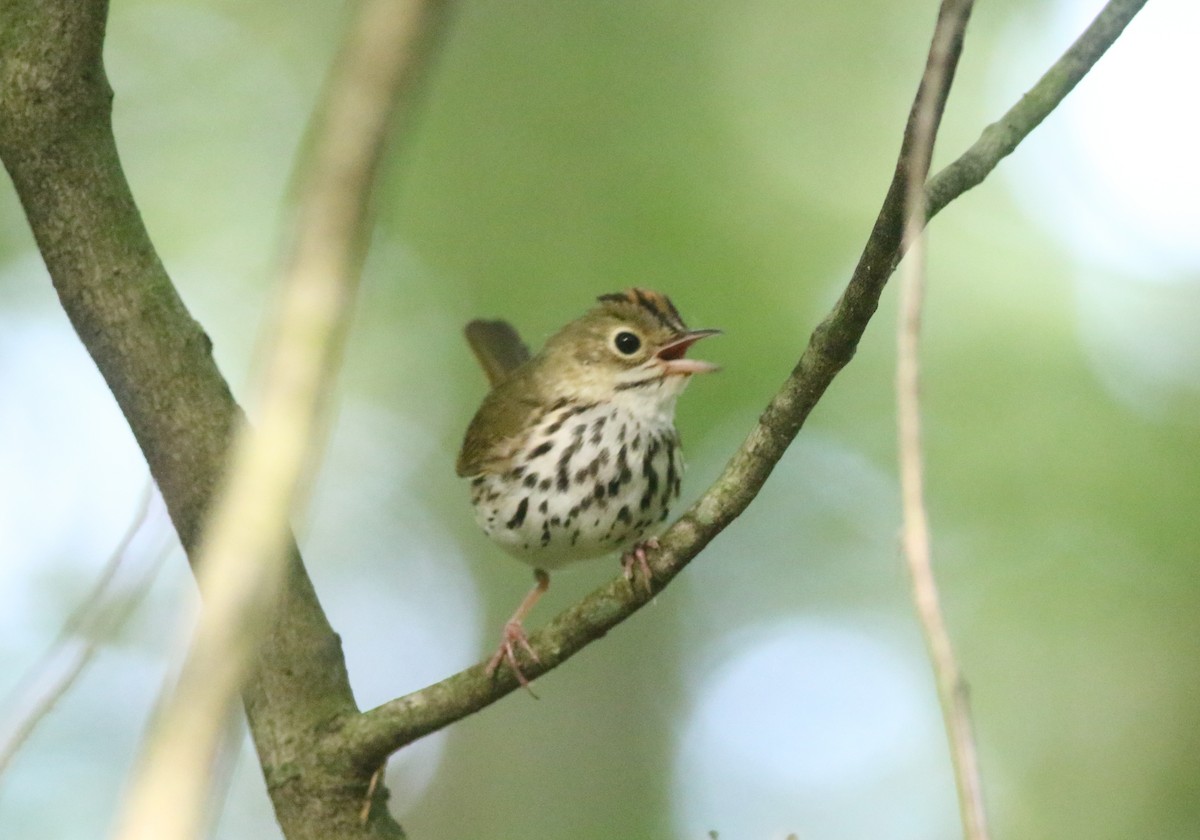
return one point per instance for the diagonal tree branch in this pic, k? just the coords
(375, 734)
(1003, 136)
(93, 621)
(57, 145)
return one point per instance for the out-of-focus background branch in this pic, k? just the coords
(261, 634)
(246, 554)
(915, 538)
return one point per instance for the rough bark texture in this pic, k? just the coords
(57, 144)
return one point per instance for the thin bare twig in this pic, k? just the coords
(243, 552)
(915, 538)
(100, 614)
(1003, 136)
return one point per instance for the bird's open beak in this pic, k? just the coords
(672, 358)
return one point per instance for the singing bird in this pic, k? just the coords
(573, 453)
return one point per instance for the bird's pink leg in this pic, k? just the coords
(634, 562)
(514, 633)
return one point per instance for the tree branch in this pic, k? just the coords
(242, 556)
(1003, 136)
(56, 143)
(94, 620)
(915, 538)
(375, 734)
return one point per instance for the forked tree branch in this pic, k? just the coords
(377, 733)
(1003, 136)
(968, 170)
(915, 539)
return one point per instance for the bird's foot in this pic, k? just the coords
(634, 564)
(511, 640)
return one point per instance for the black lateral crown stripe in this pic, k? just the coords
(658, 305)
(674, 312)
(651, 303)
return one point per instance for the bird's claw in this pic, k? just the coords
(512, 638)
(634, 564)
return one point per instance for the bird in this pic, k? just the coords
(573, 453)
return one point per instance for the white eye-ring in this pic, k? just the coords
(626, 342)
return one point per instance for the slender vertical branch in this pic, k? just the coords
(915, 534)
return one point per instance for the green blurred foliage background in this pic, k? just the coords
(732, 155)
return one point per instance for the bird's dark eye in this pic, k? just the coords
(627, 343)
